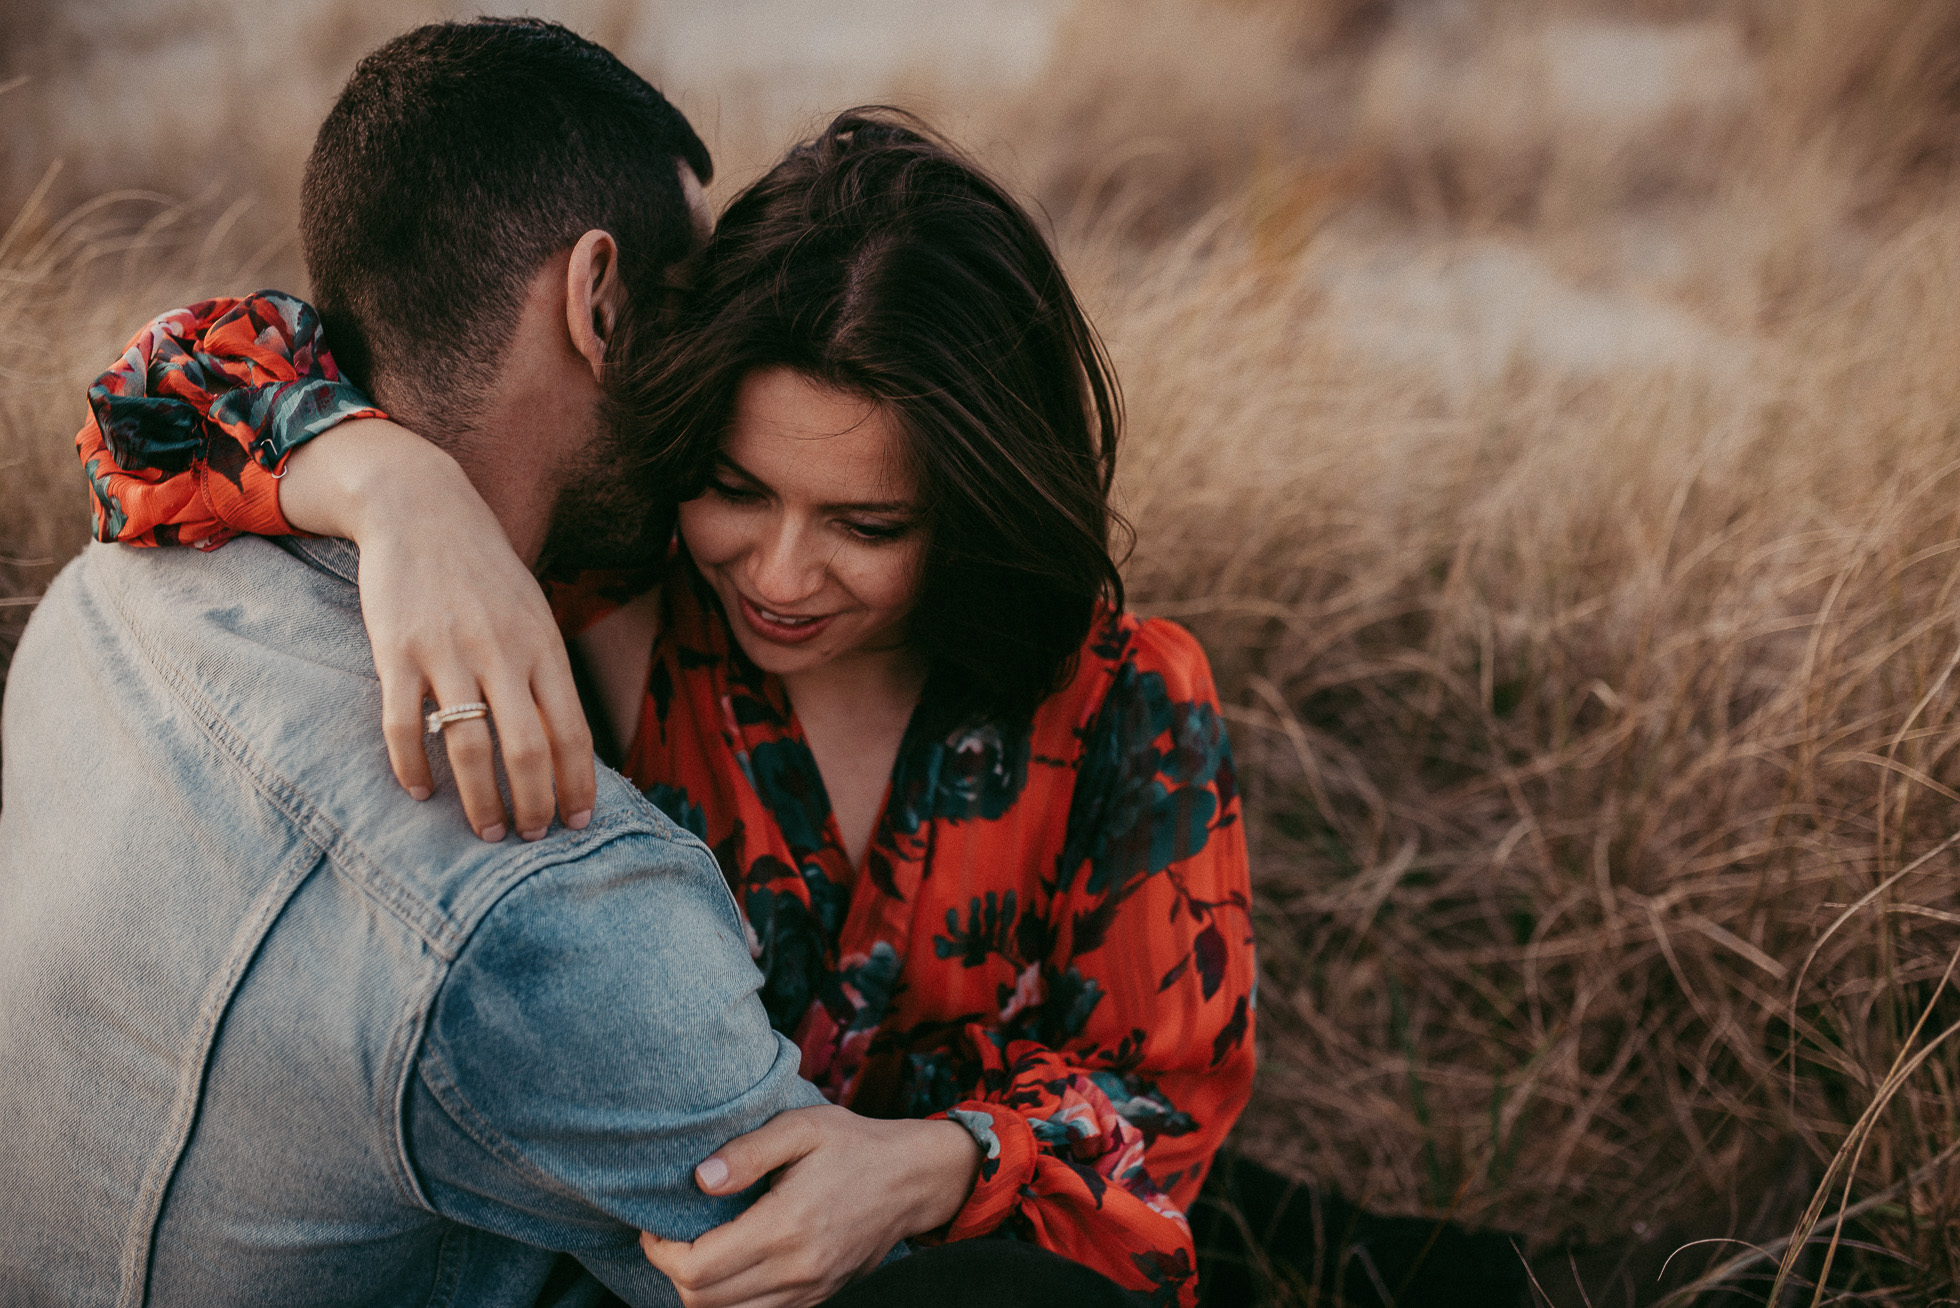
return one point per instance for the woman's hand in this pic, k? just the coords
(849, 1189)
(453, 616)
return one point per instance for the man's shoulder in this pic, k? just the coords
(631, 875)
(258, 648)
(253, 611)
(254, 586)
(627, 842)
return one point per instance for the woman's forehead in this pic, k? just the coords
(814, 442)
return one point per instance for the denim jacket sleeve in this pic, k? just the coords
(598, 1038)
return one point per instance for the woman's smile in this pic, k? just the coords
(782, 628)
(809, 528)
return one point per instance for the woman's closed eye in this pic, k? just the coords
(734, 492)
(875, 531)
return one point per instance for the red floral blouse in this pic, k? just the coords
(1048, 939)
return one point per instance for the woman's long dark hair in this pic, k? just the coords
(876, 259)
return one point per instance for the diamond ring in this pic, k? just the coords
(442, 717)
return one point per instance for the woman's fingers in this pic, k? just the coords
(472, 759)
(402, 692)
(673, 1258)
(739, 1263)
(544, 753)
(682, 1263)
(843, 1194)
(454, 615)
(746, 1159)
(569, 737)
(472, 756)
(526, 752)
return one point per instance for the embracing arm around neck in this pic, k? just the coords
(284, 444)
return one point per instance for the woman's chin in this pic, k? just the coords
(780, 659)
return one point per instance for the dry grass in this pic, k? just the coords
(73, 289)
(1567, 489)
(1598, 710)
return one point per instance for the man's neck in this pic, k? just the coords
(518, 492)
(520, 433)
(493, 453)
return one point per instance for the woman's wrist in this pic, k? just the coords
(948, 1161)
(367, 478)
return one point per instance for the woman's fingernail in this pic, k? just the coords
(493, 833)
(712, 1173)
(418, 792)
(535, 833)
(578, 820)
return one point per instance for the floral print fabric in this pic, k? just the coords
(1048, 937)
(189, 431)
(1047, 940)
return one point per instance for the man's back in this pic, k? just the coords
(273, 1031)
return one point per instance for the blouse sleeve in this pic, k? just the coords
(1099, 1108)
(189, 432)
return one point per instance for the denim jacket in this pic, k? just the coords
(273, 1032)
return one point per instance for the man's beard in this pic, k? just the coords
(614, 511)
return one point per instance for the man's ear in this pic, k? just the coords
(594, 295)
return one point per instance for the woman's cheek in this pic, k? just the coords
(711, 530)
(887, 577)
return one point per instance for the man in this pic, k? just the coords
(272, 1031)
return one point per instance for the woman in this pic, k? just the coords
(981, 822)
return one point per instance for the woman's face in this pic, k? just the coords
(809, 530)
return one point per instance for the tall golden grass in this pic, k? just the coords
(1567, 489)
(73, 289)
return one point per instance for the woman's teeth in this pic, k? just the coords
(783, 619)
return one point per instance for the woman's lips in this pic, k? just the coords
(782, 629)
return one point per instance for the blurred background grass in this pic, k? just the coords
(1547, 412)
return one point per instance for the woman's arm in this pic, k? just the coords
(454, 617)
(231, 417)
(1128, 1056)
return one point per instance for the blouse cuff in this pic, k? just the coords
(1007, 1160)
(271, 421)
(245, 503)
(276, 419)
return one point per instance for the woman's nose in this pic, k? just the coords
(784, 569)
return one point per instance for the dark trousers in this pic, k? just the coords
(970, 1274)
(1267, 1242)
(1263, 1242)
(982, 1274)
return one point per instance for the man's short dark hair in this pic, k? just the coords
(461, 156)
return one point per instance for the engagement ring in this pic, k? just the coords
(442, 717)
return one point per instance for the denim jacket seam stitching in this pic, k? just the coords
(687, 840)
(436, 1074)
(409, 1029)
(480, 895)
(419, 917)
(449, 1268)
(188, 1095)
(657, 824)
(429, 924)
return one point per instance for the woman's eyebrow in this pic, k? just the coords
(875, 506)
(726, 464)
